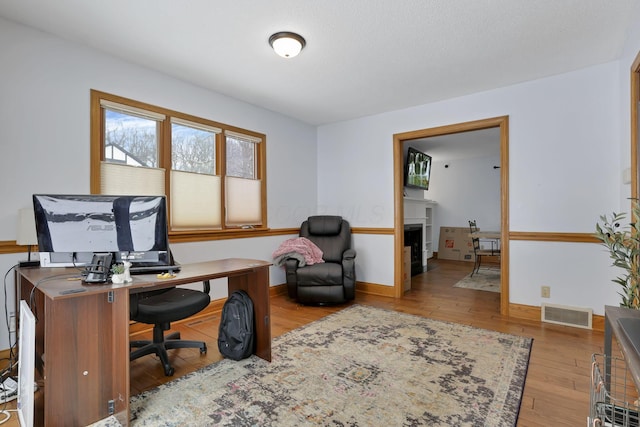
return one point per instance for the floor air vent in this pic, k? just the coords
(568, 316)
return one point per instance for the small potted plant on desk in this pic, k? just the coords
(623, 243)
(119, 273)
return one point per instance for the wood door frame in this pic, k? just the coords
(501, 122)
(635, 99)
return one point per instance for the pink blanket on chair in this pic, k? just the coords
(300, 248)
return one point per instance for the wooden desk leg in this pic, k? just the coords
(256, 284)
(121, 365)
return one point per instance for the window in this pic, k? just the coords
(242, 183)
(195, 186)
(193, 147)
(211, 173)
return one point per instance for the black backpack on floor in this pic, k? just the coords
(236, 339)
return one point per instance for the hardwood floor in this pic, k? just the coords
(557, 386)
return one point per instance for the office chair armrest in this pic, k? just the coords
(206, 286)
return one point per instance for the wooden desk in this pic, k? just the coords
(82, 339)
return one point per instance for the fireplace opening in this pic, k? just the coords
(413, 239)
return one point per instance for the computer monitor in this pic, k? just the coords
(71, 228)
(26, 365)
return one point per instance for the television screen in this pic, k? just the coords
(71, 228)
(417, 169)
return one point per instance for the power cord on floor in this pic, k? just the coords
(7, 415)
(9, 387)
(8, 392)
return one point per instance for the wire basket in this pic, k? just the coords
(614, 397)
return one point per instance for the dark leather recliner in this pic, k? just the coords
(332, 281)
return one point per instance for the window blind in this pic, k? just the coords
(238, 135)
(195, 201)
(243, 201)
(127, 109)
(199, 126)
(121, 179)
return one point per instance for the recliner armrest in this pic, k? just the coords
(291, 264)
(349, 254)
(290, 267)
(349, 273)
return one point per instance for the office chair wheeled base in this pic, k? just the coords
(161, 344)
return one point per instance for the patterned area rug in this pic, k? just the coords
(483, 280)
(362, 366)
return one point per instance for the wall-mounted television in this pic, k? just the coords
(417, 169)
(71, 228)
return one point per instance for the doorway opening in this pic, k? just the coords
(398, 156)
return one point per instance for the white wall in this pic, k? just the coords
(44, 137)
(564, 156)
(467, 189)
(568, 145)
(629, 53)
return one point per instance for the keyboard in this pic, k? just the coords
(151, 269)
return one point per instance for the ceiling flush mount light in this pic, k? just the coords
(287, 44)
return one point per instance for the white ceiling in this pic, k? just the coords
(462, 145)
(362, 56)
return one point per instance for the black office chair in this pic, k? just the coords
(330, 282)
(160, 308)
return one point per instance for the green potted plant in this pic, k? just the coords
(117, 273)
(623, 243)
